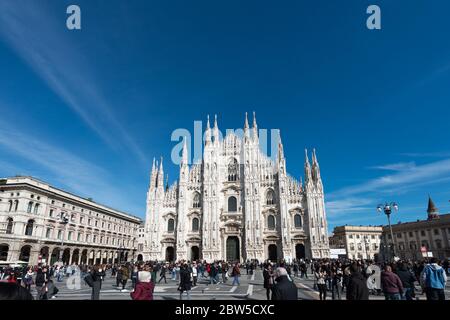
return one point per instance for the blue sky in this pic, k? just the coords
(88, 110)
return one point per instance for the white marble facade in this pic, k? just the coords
(236, 204)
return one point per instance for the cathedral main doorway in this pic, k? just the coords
(233, 249)
(195, 253)
(273, 255)
(170, 254)
(300, 251)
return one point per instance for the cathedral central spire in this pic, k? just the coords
(246, 127)
(184, 157)
(208, 132)
(216, 130)
(255, 127)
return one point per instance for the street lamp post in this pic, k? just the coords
(64, 221)
(387, 209)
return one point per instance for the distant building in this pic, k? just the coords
(416, 240)
(32, 228)
(359, 242)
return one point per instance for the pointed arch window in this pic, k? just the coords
(171, 225)
(271, 222)
(232, 204)
(195, 224)
(16, 205)
(9, 226)
(196, 201)
(270, 197)
(233, 170)
(29, 228)
(297, 221)
(10, 205)
(36, 208)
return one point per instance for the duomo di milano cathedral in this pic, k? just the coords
(236, 204)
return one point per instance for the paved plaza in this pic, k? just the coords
(250, 288)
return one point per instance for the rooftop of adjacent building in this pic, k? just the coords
(433, 218)
(45, 186)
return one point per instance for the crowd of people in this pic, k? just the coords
(357, 279)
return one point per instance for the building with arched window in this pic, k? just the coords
(32, 228)
(235, 204)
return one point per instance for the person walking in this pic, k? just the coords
(268, 279)
(125, 277)
(28, 279)
(236, 273)
(144, 287)
(336, 282)
(408, 279)
(94, 280)
(433, 280)
(40, 281)
(162, 274)
(284, 288)
(185, 282)
(321, 276)
(134, 276)
(194, 274)
(391, 284)
(356, 284)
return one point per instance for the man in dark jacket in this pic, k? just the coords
(357, 285)
(185, 281)
(285, 288)
(408, 279)
(40, 282)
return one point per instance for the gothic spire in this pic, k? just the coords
(255, 127)
(161, 166)
(208, 132)
(315, 166)
(184, 159)
(216, 130)
(280, 149)
(246, 126)
(307, 168)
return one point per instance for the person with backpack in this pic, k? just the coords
(433, 280)
(94, 280)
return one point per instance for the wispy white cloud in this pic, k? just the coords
(442, 154)
(42, 42)
(400, 166)
(417, 175)
(348, 205)
(70, 171)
